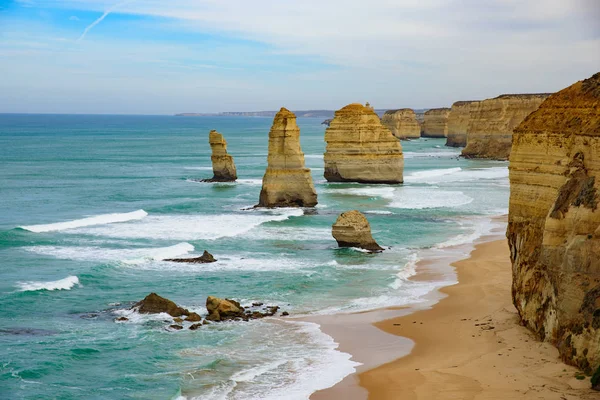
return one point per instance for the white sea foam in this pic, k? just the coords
(432, 154)
(200, 168)
(409, 269)
(446, 175)
(420, 198)
(380, 212)
(62, 284)
(127, 256)
(255, 182)
(90, 221)
(190, 227)
(366, 191)
(476, 230)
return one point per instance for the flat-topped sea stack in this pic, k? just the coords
(458, 123)
(352, 229)
(222, 163)
(360, 149)
(287, 181)
(554, 222)
(402, 123)
(492, 122)
(435, 123)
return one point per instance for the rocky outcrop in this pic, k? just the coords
(327, 121)
(402, 123)
(205, 258)
(226, 309)
(223, 165)
(492, 122)
(435, 123)
(458, 123)
(360, 149)
(352, 229)
(154, 304)
(554, 222)
(287, 181)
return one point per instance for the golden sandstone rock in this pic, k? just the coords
(489, 134)
(458, 122)
(352, 229)
(402, 123)
(287, 182)
(223, 165)
(435, 124)
(554, 222)
(360, 149)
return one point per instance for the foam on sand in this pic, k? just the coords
(62, 284)
(90, 221)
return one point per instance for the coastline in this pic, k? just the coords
(467, 341)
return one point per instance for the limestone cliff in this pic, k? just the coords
(492, 121)
(402, 123)
(458, 122)
(360, 149)
(435, 123)
(554, 222)
(287, 182)
(222, 163)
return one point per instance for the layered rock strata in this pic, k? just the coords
(352, 229)
(222, 163)
(458, 123)
(402, 123)
(492, 122)
(287, 182)
(360, 149)
(554, 222)
(435, 123)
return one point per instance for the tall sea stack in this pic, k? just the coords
(402, 123)
(435, 123)
(360, 149)
(554, 222)
(458, 123)
(287, 181)
(222, 163)
(492, 122)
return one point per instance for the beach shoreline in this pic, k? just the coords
(463, 342)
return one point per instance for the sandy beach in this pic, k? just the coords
(469, 345)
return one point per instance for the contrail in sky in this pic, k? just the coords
(108, 11)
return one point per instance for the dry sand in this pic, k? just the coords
(467, 346)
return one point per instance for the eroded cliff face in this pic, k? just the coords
(492, 122)
(222, 163)
(435, 123)
(458, 122)
(554, 222)
(287, 182)
(360, 149)
(402, 123)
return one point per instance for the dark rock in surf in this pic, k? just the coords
(205, 258)
(154, 304)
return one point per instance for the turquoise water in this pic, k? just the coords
(62, 286)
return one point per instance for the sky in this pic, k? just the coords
(173, 56)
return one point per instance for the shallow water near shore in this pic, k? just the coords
(91, 205)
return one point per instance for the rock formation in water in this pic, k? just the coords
(227, 309)
(205, 258)
(352, 229)
(222, 163)
(154, 304)
(435, 124)
(458, 123)
(287, 181)
(402, 123)
(554, 222)
(489, 134)
(360, 149)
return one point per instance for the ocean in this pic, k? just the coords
(90, 206)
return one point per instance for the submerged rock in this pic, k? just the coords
(360, 149)
(223, 165)
(352, 229)
(176, 327)
(154, 304)
(205, 258)
(287, 182)
(554, 222)
(193, 317)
